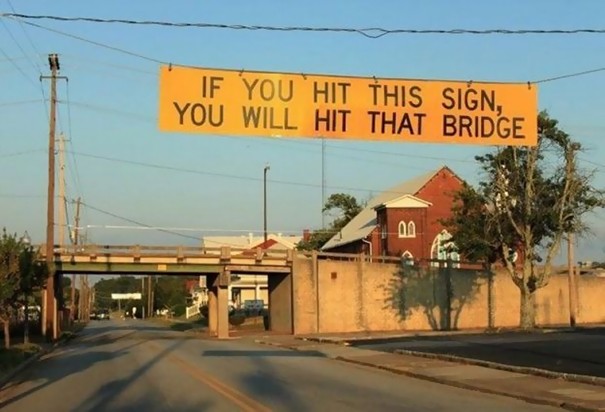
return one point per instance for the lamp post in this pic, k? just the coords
(267, 168)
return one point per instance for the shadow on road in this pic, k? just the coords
(103, 397)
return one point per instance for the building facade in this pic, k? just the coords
(404, 221)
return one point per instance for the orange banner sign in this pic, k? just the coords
(225, 102)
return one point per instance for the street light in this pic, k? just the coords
(267, 168)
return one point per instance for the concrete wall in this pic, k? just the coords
(338, 296)
(280, 303)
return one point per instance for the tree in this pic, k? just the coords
(529, 199)
(20, 274)
(33, 274)
(9, 280)
(346, 207)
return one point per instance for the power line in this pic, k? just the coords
(73, 157)
(223, 175)
(18, 103)
(370, 32)
(136, 222)
(21, 153)
(567, 76)
(96, 43)
(158, 61)
(26, 35)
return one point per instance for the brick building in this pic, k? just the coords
(404, 220)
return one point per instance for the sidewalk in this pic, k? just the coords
(556, 392)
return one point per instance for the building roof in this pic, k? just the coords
(362, 225)
(250, 241)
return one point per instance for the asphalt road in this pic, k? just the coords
(577, 352)
(140, 366)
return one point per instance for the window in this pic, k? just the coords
(407, 258)
(442, 249)
(384, 231)
(411, 229)
(403, 229)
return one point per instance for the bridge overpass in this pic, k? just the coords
(217, 264)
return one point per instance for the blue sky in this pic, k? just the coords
(113, 106)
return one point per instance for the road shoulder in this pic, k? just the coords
(534, 389)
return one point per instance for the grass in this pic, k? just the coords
(10, 358)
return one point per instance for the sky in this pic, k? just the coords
(120, 164)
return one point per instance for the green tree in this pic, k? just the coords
(529, 199)
(20, 274)
(346, 208)
(10, 249)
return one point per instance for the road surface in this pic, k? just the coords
(578, 352)
(141, 366)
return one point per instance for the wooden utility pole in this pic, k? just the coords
(49, 314)
(72, 312)
(573, 304)
(62, 221)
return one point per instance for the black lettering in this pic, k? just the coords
(266, 117)
(250, 87)
(388, 122)
(318, 92)
(405, 123)
(333, 119)
(485, 128)
(393, 94)
(449, 102)
(374, 88)
(466, 122)
(209, 88)
(419, 117)
(517, 127)
(251, 115)
(199, 108)
(449, 125)
(416, 100)
(181, 111)
(503, 131)
(282, 96)
(373, 114)
(267, 93)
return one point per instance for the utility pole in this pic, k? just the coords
(62, 220)
(49, 314)
(571, 181)
(73, 276)
(573, 304)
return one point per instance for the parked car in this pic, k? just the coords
(102, 314)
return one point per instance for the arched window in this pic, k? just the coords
(407, 258)
(402, 229)
(442, 249)
(411, 229)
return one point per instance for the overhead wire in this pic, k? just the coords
(76, 171)
(369, 32)
(126, 219)
(22, 18)
(224, 175)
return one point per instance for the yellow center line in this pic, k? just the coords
(245, 402)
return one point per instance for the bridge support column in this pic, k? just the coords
(223, 312)
(212, 310)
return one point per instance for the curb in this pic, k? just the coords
(461, 385)
(570, 377)
(4, 380)
(21, 367)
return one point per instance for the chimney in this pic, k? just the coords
(306, 235)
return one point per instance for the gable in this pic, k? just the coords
(405, 202)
